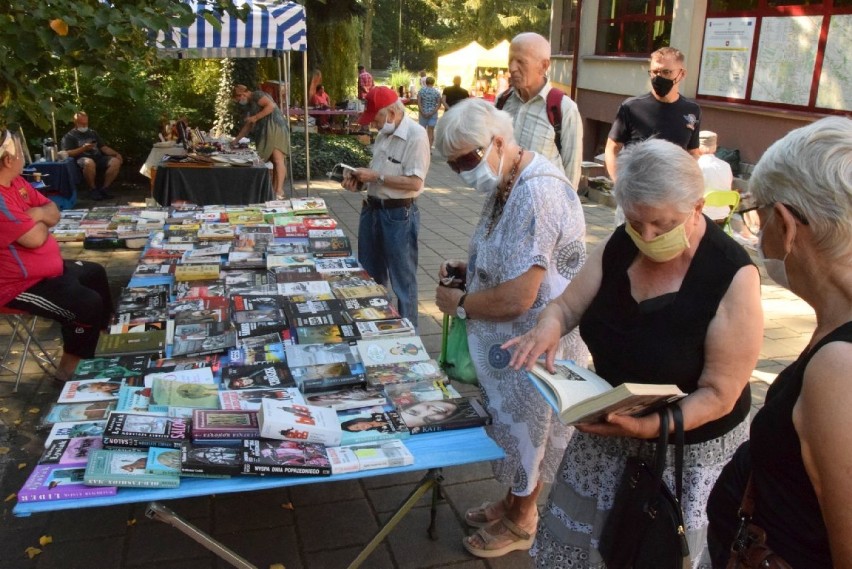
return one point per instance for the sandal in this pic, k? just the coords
(280, 197)
(504, 537)
(486, 514)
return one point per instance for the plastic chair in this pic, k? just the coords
(722, 199)
(23, 326)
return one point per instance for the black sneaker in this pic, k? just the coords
(99, 195)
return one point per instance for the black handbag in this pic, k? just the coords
(645, 528)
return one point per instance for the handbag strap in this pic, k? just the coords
(677, 414)
(445, 333)
(662, 447)
(674, 412)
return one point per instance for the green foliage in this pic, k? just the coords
(401, 77)
(326, 151)
(336, 55)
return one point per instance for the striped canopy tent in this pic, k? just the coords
(273, 28)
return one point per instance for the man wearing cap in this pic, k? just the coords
(717, 172)
(662, 113)
(390, 219)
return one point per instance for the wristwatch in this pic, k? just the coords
(460, 311)
(382, 179)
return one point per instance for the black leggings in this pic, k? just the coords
(79, 300)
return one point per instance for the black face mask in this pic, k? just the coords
(661, 85)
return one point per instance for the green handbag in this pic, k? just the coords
(455, 357)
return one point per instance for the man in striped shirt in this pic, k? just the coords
(529, 61)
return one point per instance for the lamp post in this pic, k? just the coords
(399, 37)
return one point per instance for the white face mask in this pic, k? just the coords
(482, 178)
(388, 128)
(775, 268)
(83, 128)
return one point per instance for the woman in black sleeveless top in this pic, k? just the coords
(669, 299)
(800, 453)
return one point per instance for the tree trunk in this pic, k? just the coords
(367, 36)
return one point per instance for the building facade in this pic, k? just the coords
(758, 68)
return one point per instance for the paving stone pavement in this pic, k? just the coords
(316, 526)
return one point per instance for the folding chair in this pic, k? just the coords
(23, 325)
(720, 205)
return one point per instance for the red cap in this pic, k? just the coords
(377, 99)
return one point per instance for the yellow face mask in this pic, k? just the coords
(663, 247)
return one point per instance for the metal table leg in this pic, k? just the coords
(431, 480)
(159, 512)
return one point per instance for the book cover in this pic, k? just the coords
(133, 398)
(85, 390)
(321, 224)
(382, 454)
(210, 461)
(70, 452)
(312, 308)
(145, 270)
(302, 423)
(320, 289)
(445, 415)
(200, 272)
(131, 344)
(289, 246)
(144, 430)
(182, 373)
(203, 338)
(343, 460)
(74, 429)
(166, 393)
(66, 412)
(324, 377)
(348, 398)
(579, 395)
(308, 206)
(183, 363)
(257, 354)
(276, 261)
(112, 368)
(324, 247)
(199, 289)
(406, 372)
(327, 334)
(245, 279)
(359, 291)
(370, 308)
(59, 482)
(405, 394)
(259, 375)
(295, 274)
(262, 338)
(285, 458)
(397, 327)
(371, 424)
(301, 355)
(326, 319)
(392, 351)
(199, 309)
(224, 424)
(249, 399)
(125, 468)
(163, 461)
(246, 259)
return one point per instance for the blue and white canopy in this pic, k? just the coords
(272, 27)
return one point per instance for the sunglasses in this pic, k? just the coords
(752, 222)
(467, 161)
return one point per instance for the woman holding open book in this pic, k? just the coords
(798, 455)
(527, 246)
(667, 299)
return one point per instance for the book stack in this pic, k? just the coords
(248, 342)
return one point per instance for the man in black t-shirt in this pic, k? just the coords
(92, 155)
(662, 113)
(454, 93)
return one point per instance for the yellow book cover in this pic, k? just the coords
(197, 272)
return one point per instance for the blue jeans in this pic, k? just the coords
(387, 249)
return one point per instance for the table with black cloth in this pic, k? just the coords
(61, 180)
(207, 185)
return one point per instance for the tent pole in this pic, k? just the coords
(284, 104)
(305, 117)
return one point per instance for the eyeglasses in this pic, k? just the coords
(467, 161)
(667, 73)
(752, 221)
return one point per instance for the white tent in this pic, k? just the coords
(497, 56)
(273, 28)
(461, 62)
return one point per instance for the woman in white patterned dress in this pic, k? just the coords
(526, 248)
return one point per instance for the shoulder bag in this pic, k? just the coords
(645, 528)
(455, 357)
(749, 550)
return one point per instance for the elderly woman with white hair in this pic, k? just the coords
(527, 246)
(798, 455)
(668, 298)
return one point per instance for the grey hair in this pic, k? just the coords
(657, 173)
(472, 123)
(397, 107)
(811, 170)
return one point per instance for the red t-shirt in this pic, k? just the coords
(20, 267)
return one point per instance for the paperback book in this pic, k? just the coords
(133, 398)
(370, 308)
(70, 452)
(323, 247)
(50, 482)
(112, 368)
(392, 351)
(210, 461)
(74, 429)
(203, 338)
(259, 375)
(86, 390)
(250, 399)
(131, 344)
(405, 394)
(348, 398)
(125, 468)
(164, 461)
(288, 458)
(224, 424)
(165, 394)
(579, 395)
(382, 454)
(139, 430)
(302, 423)
(445, 415)
(369, 424)
(65, 412)
(405, 372)
(324, 377)
(327, 334)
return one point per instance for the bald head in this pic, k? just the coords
(529, 60)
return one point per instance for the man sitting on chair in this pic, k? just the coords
(33, 276)
(92, 155)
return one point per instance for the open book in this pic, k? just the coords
(578, 395)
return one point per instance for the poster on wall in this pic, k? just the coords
(726, 56)
(786, 55)
(835, 79)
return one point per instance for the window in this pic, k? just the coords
(564, 35)
(633, 27)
